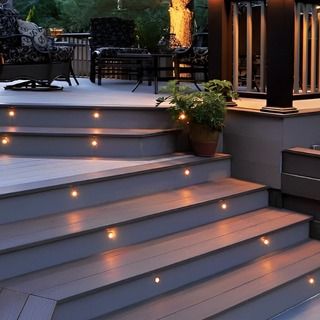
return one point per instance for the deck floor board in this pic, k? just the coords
(91, 273)
(212, 296)
(40, 229)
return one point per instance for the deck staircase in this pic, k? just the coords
(173, 238)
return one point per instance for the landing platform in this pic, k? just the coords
(23, 173)
(116, 93)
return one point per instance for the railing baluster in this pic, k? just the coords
(313, 49)
(263, 37)
(305, 49)
(249, 46)
(235, 46)
(297, 45)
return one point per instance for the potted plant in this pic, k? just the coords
(201, 112)
(225, 88)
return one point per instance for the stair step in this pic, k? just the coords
(260, 289)
(117, 277)
(301, 162)
(72, 116)
(82, 142)
(76, 234)
(45, 196)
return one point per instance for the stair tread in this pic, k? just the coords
(145, 165)
(39, 230)
(211, 297)
(304, 151)
(97, 272)
(123, 132)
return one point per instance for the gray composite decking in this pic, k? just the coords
(209, 299)
(22, 174)
(300, 173)
(40, 230)
(108, 132)
(76, 278)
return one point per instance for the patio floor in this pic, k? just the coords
(116, 93)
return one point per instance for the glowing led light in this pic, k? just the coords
(111, 234)
(11, 113)
(182, 116)
(187, 172)
(157, 279)
(96, 115)
(94, 142)
(5, 140)
(265, 241)
(223, 205)
(312, 280)
(74, 194)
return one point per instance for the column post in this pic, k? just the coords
(280, 56)
(220, 39)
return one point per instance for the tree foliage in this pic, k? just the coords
(151, 16)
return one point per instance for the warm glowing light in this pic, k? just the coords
(223, 205)
(11, 113)
(5, 140)
(94, 142)
(181, 20)
(312, 280)
(74, 194)
(182, 116)
(157, 279)
(187, 172)
(111, 234)
(265, 241)
(96, 115)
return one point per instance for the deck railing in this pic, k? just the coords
(249, 45)
(81, 58)
(307, 49)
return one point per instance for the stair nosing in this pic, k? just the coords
(85, 132)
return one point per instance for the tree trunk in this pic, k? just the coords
(181, 19)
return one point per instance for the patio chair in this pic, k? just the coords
(109, 37)
(27, 54)
(191, 63)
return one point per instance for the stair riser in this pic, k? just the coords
(126, 293)
(81, 146)
(272, 303)
(66, 250)
(58, 199)
(84, 118)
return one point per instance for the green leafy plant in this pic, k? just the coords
(221, 86)
(202, 107)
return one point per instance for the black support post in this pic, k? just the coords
(220, 39)
(280, 56)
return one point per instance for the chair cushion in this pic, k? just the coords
(32, 30)
(8, 27)
(107, 52)
(26, 55)
(112, 32)
(197, 56)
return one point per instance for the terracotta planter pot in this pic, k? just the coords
(203, 139)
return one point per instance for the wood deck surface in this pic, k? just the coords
(55, 131)
(75, 278)
(27, 232)
(213, 296)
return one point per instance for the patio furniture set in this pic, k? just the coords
(28, 54)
